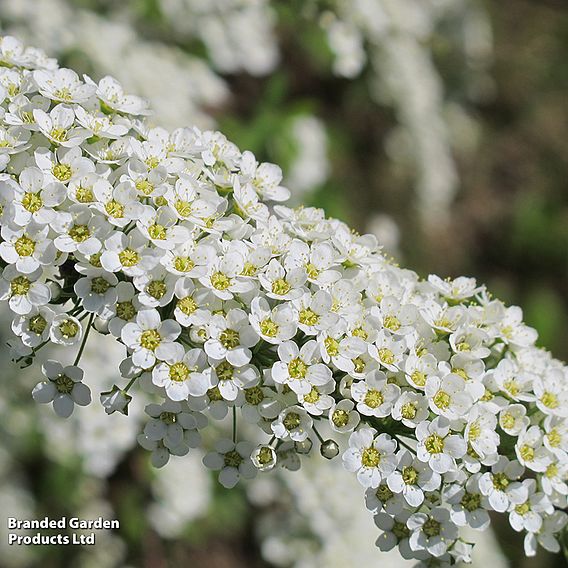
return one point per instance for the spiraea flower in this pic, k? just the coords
(233, 306)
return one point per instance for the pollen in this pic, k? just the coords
(392, 323)
(386, 356)
(157, 232)
(20, 286)
(233, 459)
(68, 329)
(374, 398)
(431, 527)
(280, 287)
(471, 501)
(418, 378)
(32, 202)
(409, 411)
(128, 257)
(309, 317)
(527, 452)
(409, 475)
(268, 328)
(220, 281)
(150, 339)
(114, 209)
(179, 372)
(370, 457)
(434, 444)
(183, 208)
(297, 368)
(84, 195)
(183, 264)
(157, 289)
(79, 233)
(331, 346)
(313, 396)
(25, 246)
(549, 399)
(187, 305)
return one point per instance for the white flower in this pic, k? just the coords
(314, 312)
(274, 325)
(97, 290)
(437, 447)
(513, 419)
(115, 400)
(529, 514)
(232, 380)
(282, 284)
(432, 531)
(57, 125)
(23, 291)
(293, 423)
(551, 394)
(112, 96)
(233, 461)
(231, 338)
(371, 457)
(412, 478)
(375, 396)
(411, 408)
(181, 373)
(65, 330)
(447, 396)
(456, 290)
(531, 451)
(62, 85)
(33, 328)
(28, 248)
(469, 505)
(342, 416)
(500, 485)
(300, 368)
(64, 388)
(150, 338)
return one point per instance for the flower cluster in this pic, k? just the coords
(279, 317)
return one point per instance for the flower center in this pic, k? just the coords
(508, 420)
(128, 258)
(187, 305)
(409, 475)
(374, 398)
(297, 369)
(280, 287)
(292, 421)
(157, 289)
(386, 355)
(179, 372)
(340, 418)
(392, 323)
(84, 195)
(418, 378)
(442, 400)
(527, 452)
(157, 232)
(214, 394)
(268, 328)
(254, 395)
(313, 396)
(37, 324)
(79, 233)
(68, 329)
(58, 134)
(233, 459)
(63, 384)
(331, 346)
(168, 417)
(432, 527)
(115, 209)
(20, 286)
(383, 493)
(224, 371)
(183, 264)
(125, 310)
(150, 339)
(25, 246)
(99, 285)
(229, 338)
(62, 172)
(549, 400)
(500, 481)
(370, 457)
(471, 501)
(308, 317)
(220, 281)
(434, 444)
(32, 202)
(409, 410)
(183, 208)
(144, 186)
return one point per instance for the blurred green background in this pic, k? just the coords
(482, 85)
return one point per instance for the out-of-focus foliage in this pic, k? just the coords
(467, 100)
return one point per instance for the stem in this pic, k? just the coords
(317, 434)
(84, 342)
(234, 424)
(130, 383)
